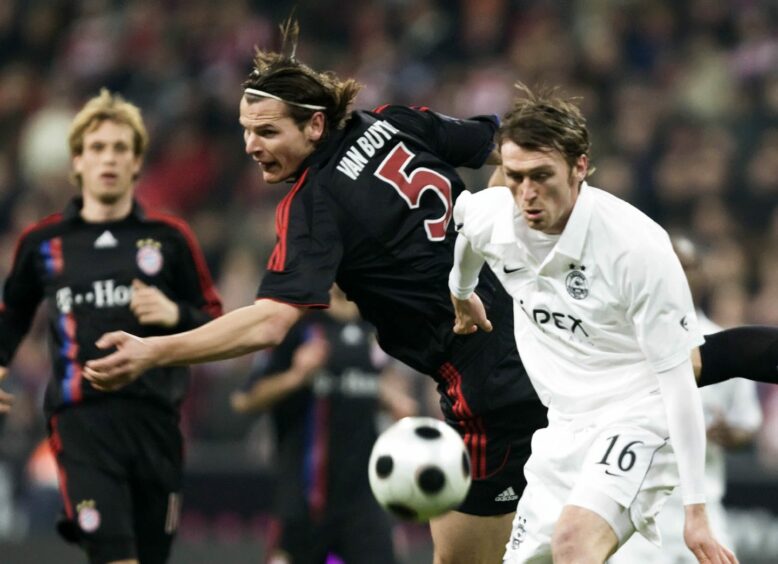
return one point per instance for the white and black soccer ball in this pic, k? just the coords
(419, 469)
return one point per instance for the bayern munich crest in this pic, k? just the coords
(576, 283)
(149, 257)
(88, 516)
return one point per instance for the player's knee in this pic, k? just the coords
(569, 543)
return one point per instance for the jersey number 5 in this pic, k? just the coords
(412, 186)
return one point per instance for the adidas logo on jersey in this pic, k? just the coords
(106, 241)
(507, 494)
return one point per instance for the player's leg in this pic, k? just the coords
(364, 535)
(461, 538)
(296, 540)
(96, 499)
(749, 352)
(581, 535)
(499, 447)
(156, 482)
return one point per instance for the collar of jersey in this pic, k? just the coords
(571, 243)
(73, 210)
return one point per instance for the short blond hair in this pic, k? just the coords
(107, 107)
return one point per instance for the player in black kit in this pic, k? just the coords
(370, 207)
(323, 388)
(104, 264)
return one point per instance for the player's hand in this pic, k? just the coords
(239, 401)
(132, 357)
(6, 399)
(310, 357)
(151, 306)
(700, 540)
(470, 315)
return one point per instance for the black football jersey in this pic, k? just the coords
(325, 431)
(371, 210)
(84, 272)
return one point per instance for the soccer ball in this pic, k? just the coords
(419, 469)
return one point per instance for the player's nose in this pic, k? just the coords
(253, 144)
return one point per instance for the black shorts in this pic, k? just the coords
(359, 534)
(492, 405)
(120, 466)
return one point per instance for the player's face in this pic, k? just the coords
(544, 186)
(274, 140)
(108, 164)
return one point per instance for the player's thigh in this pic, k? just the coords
(470, 539)
(498, 485)
(365, 536)
(98, 507)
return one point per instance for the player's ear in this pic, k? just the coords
(581, 168)
(316, 126)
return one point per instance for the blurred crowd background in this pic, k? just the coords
(681, 99)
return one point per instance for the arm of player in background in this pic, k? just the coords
(393, 393)
(686, 425)
(244, 330)
(307, 360)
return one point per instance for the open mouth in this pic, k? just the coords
(533, 214)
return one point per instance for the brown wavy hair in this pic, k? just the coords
(281, 74)
(545, 121)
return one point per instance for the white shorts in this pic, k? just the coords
(616, 462)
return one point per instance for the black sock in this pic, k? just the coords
(749, 352)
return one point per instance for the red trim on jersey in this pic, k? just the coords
(74, 382)
(57, 259)
(421, 108)
(277, 261)
(56, 447)
(475, 434)
(213, 305)
(380, 109)
(46, 221)
(312, 306)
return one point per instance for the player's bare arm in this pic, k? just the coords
(470, 315)
(239, 332)
(700, 540)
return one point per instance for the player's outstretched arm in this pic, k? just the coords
(239, 332)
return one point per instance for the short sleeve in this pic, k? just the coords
(459, 142)
(659, 303)
(308, 250)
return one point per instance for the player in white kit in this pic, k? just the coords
(732, 416)
(605, 323)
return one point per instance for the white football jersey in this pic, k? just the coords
(607, 309)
